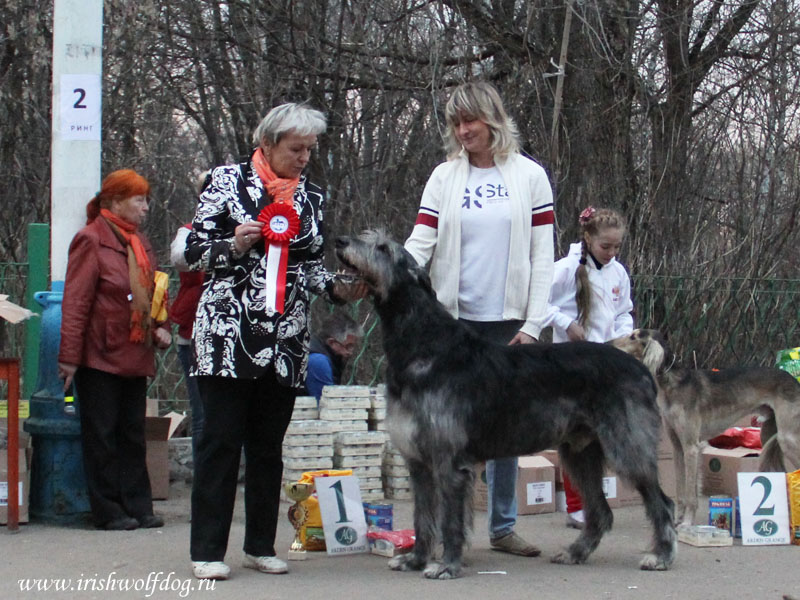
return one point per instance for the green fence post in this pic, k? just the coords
(38, 273)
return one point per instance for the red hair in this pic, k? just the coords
(119, 185)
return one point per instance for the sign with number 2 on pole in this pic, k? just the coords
(80, 107)
(764, 509)
(342, 514)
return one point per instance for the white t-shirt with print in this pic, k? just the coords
(485, 231)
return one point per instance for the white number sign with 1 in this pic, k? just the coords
(342, 513)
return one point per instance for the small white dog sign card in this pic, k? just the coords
(764, 509)
(342, 514)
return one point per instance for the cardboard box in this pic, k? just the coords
(626, 494)
(151, 409)
(536, 486)
(618, 492)
(24, 485)
(157, 432)
(611, 485)
(719, 469)
(552, 456)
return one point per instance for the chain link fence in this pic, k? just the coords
(710, 323)
(723, 322)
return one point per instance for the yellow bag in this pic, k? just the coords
(158, 308)
(308, 476)
(312, 535)
(793, 479)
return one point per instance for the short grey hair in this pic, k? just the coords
(480, 100)
(290, 117)
(338, 325)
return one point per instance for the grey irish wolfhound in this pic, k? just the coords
(455, 399)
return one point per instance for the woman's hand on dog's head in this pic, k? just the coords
(66, 372)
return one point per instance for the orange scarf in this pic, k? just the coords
(140, 273)
(281, 190)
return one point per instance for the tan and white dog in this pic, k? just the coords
(699, 404)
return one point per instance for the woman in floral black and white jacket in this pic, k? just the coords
(257, 233)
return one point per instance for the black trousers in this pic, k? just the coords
(249, 413)
(112, 410)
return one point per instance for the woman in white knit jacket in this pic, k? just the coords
(485, 227)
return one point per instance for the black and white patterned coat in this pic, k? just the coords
(234, 333)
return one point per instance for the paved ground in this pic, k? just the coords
(157, 562)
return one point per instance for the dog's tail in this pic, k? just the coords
(771, 453)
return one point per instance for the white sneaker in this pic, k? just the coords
(210, 570)
(576, 520)
(265, 564)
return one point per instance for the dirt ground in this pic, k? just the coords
(155, 564)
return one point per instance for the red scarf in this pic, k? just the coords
(281, 189)
(140, 273)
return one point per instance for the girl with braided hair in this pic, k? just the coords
(590, 298)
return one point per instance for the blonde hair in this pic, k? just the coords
(592, 221)
(480, 100)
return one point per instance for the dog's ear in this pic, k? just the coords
(425, 281)
(657, 355)
(653, 354)
(419, 274)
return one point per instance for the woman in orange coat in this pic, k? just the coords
(107, 340)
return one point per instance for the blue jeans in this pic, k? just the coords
(195, 403)
(501, 477)
(501, 474)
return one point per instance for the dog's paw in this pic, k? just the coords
(566, 558)
(406, 562)
(442, 571)
(652, 562)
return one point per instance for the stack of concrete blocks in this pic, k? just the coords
(305, 408)
(345, 407)
(396, 480)
(308, 443)
(361, 451)
(376, 419)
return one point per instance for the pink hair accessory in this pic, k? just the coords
(586, 215)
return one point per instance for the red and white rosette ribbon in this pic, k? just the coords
(281, 224)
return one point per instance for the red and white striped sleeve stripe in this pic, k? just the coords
(542, 215)
(429, 217)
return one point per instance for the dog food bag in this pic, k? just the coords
(789, 361)
(793, 479)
